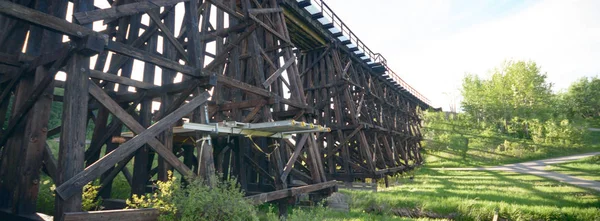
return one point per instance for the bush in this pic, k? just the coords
(197, 201)
(46, 196)
(89, 202)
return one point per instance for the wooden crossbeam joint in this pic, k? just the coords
(91, 45)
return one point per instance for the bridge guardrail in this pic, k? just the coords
(375, 57)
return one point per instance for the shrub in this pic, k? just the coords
(197, 201)
(89, 202)
(46, 197)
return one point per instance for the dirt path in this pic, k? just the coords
(537, 168)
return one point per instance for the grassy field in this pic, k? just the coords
(473, 195)
(478, 157)
(587, 168)
(476, 195)
(501, 150)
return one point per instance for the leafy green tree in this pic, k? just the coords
(516, 93)
(582, 100)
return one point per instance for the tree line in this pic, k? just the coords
(516, 105)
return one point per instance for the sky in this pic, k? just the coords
(432, 44)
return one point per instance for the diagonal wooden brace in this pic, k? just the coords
(288, 166)
(279, 71)
(74, 185)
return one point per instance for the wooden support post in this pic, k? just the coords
(140, 166)
(73, 129)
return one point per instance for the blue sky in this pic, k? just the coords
(432, 44)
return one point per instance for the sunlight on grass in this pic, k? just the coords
(475, 195)
(587, 168)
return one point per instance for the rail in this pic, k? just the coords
(371, 57)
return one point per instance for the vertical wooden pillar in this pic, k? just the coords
(140, 166)
(168, 76)
(73, 130)
(36, 126)
(12, 39)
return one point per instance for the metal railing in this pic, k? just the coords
(375, 57)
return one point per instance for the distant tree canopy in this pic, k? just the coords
(517, 103)
(583, 99)
(516, 94)
(517, 89)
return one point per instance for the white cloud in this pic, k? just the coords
(561, 36)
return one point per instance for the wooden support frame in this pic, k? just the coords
(269, 61)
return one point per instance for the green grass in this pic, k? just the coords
(488, 155)
(587, 168)
(267, 212)
(357, 214)
(475, 195)
(481, 151)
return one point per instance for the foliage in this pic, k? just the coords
(475, 195)
(89, 202)
(511, 115)
(197, 201)
(583, 99)
(516, 93)
(46, 197)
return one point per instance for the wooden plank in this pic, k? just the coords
(259, 169)
(288, 166)
(168, 77)
(277, 73)
(80, 31)
(151, 58)
(280, 194)
(264, 10)
(120, 80)
(74, 124)
(70, 187)
(141, 169)
(122, 10)
(113, 128)
(167, 33)
(114, 215)
(227, 9)
(50, 163)
(254, 111)
(266, 27)
(40, 88)
(258, 91)
(45, 20)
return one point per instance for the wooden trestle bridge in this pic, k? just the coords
(278, 93)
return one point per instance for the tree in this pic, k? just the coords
(516, 93)
(582, 100)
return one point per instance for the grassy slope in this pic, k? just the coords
(475, 195)
(479, 157)
(588, 168)
(487, 152)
